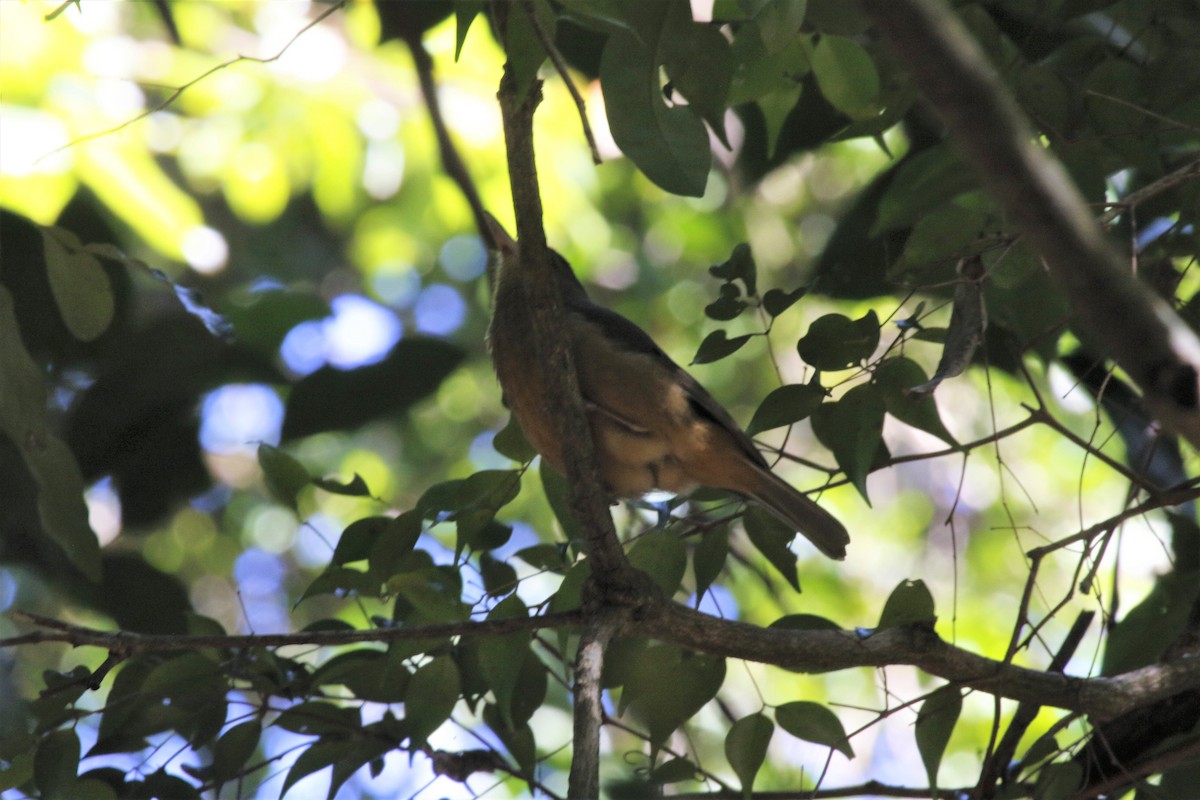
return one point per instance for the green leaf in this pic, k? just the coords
(716, 346)
(530, 691)
(746, 748)
(355, 487)
(56, 764)
(465, 12)
(835, 342)
(545, 556)
(699, 62)
(522, 44)
(284, 475)
(499, 578)
(358, 538)
(510, 442)
(813, 722)
(673, 771)
(62, 512)
(393, 544)
(234, 748)
(434, 592)
(786, 405)
(847, 77)
(694, 679)
(558, 496)
(779, 21)
(852, 428)
(669, 144)
(502, 657)
(896, 376)
(708, 559)
(919, 184)
(773, 538)
(1143, 634)
(662, 556)
(519, 740)
(432, 694)
(940, 238)
(910, 602)
(323, 753)
(318, 718)
(935, 723)
(80, 286)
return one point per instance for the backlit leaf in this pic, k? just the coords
(746, 748)
(935, 722)
(813, 722)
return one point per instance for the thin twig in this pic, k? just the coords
(171, 98)
(560, 67)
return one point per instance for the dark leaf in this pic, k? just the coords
(852, 428)
(835, 342)
(234, 748)
(669, 144)
(502, 657)
(773, 538)
(746, 748)
(432, 694)
(786, 406)
(662, 556)
(935, 722)
(728, 306)
(284, 475)
(56, 764)
(846, 76)
(708, 559)
(316, 718)
(355, 487)
(334, 399)
(716, 346)
(777, 301)
(910, 602)
(694, 680)
(896, 377)
(358, 538)
(739, 266)
(813, 722)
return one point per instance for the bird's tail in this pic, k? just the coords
(805, 516)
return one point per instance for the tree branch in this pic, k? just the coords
(913, 645)
(1119, 314)
(549, 345)
(584, 781)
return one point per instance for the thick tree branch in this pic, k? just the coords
(803, 651)
(1120, 315)
(913, 645)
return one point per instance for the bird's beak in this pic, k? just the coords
(504, 243)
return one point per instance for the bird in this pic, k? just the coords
(653, 425)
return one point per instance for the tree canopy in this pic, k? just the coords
(267, 529)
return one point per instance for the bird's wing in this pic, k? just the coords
(612, 397)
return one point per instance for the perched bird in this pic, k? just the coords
(653, 425)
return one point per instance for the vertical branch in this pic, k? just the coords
(589, 712)
(549, 344)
